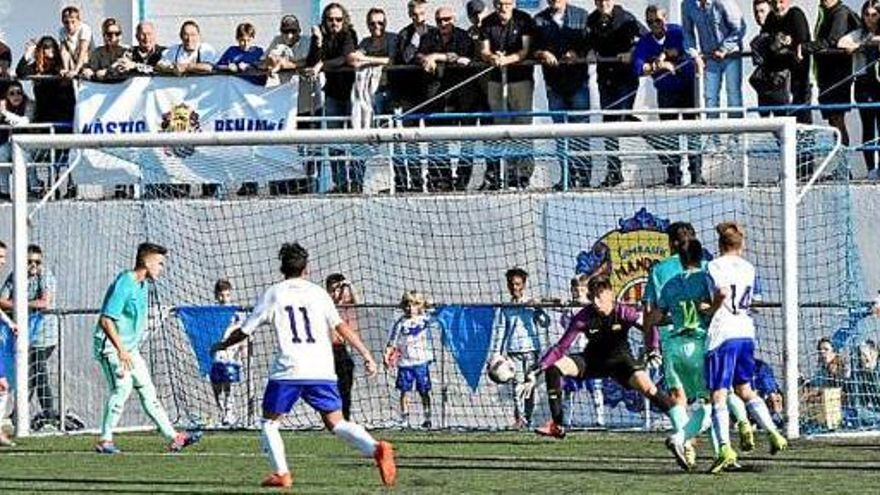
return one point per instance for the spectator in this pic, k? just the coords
(442, 52)
(15, 109)
(343, 294)
(771, 77)
(832, 369)
(863, 45)
(407, 91)
(613, 35)
(6, 74)
(285, 55)
(515, 334)
(332, 43)
(75, 39)
(106, 60)
(833, 67)
(720, 27)
(477, 12)
(864, 389)
(190, 56)
(379, 48)
(43, 331)
(662, 55)
(244, 56)
(560, 46)
(507, 39)
(793, 30)
(143, 58)
(54, 97)
(778, 50)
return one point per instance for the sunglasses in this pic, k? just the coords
(35, 262)
(444, 19)
(113, 34)
(335, 19)
(376, 23)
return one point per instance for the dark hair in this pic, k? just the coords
(34, 249)
(2, 245)
(865, 6)
(516, 272)
(691, 253)
(189, 22)
(824, 340)
(108, 22)
(245, 29)
(43, 65)
(679, 233)
(598, 284)
(146, 249)
(70, 9)
(346, 18)
(376, 10)
(333, 279)
(22, 108)
(293, 259)
(222, 285)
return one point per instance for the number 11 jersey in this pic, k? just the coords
(733, 319)
(303, 316)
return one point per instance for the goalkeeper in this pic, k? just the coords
(606, 324)
(117, 338)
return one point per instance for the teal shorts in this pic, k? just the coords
(684, 365)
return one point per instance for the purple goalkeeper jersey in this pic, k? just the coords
(606, 335)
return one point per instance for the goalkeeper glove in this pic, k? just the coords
(653, 358)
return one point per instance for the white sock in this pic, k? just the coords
(599, 403)
(3, 397)
(356, 436)
(273, 445)
(761, 414)
(707, 424)
(721, 424)
(736, 407)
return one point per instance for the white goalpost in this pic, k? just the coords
(450, 244)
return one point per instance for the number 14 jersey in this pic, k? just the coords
(733, 320)
(302, 315)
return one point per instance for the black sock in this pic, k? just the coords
(554, 394)
(661, 400)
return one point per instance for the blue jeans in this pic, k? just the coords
(578, 168)
(731, 72)
(348, 175)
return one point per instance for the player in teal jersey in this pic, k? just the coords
(680, 382)
(117, 338)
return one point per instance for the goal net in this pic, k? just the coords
(412, 217)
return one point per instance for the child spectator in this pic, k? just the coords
(410, 348)
(343, 293)
(515, 333)
(226, 368)
(244, 55)
(75, 38)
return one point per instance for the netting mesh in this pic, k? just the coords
(454, 245)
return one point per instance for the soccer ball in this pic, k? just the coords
(501, 369)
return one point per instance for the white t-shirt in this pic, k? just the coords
(412, 338)
(70, 42)
(177, 54)
(733, 319)
(303, 316)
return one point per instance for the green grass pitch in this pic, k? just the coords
(447, 463)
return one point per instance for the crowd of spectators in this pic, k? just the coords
(433, 68)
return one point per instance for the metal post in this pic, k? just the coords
(250, 382)
(444, 384)
(565, 163)
(62, 406)
(788, 139)
(20, 303)
(502, 161)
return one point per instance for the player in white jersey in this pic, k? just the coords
(303, 317)
(730, 356)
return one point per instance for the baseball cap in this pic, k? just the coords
(290, 23)
(475, 7)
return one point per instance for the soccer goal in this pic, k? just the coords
(418, 222)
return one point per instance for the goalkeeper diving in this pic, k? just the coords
(606, 324)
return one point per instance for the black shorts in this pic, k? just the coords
(618, 365)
